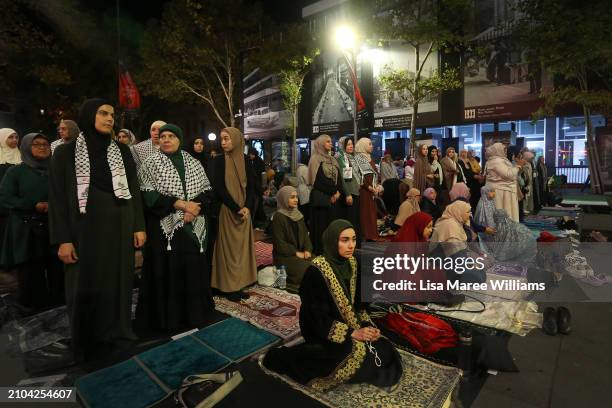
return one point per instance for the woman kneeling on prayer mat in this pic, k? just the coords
(291, 244)
(175, 292)
(342, 346)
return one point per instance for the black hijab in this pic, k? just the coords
(201, 157)
(97, 145)
(340, 265)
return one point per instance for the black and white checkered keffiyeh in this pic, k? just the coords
(364, 168)
(81, 166)
(141, 152)
(157, 173)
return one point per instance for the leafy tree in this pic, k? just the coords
(194, 53)
(291, 56)
(572, 41)
(426, 26)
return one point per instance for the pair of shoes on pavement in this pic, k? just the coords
(557, 321)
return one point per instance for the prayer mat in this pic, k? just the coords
(263, 253)
(514, 270)
(270, 309)
(423, 384)
(154, 374)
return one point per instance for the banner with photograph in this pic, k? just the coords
(390, 111)
(499, 81)
(265, 116)
(332, 94)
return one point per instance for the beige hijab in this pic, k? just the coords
(450, 226)
(421, 169)
(282, 202)
(234, 265)
(361, 148)
(409, 206)
(8, 155)
(322, 157)
(235, 172)
(496, 150)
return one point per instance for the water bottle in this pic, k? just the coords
(282, 277)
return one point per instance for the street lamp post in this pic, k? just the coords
(345, 39)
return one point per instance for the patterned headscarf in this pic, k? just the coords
(485, 208)
(111, 161)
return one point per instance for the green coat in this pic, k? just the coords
(286, 243)
(26, 234)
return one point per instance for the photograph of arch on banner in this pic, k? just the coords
(390, 110)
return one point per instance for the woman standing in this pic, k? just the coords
(24, 192)
(340, 340)
(502, 177)
(469, 179)
(326, 180)
(9, 157)
(303, 188)
(350, 184)
(234, 265)
(423, 176)
(452, 171)
(93, 186)
(368, 189)
(175, 292)
(126, 137)
(291, 244)
(438, 180)
(542, 172)
(387, 168)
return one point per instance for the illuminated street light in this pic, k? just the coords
(212, 136)
(345, 38)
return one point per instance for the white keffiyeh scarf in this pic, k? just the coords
(364, 168)
(159, 174)
(115, 162)
(141, 152)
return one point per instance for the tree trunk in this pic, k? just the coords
(413, 146)
(294, 141)
(592, 155)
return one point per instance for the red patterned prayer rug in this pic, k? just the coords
(263, 253)
(270, 309)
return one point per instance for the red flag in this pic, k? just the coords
(360, 102)
(129, 97)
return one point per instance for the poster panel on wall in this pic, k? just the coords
(499, 81)
(265, 115)
(332, 94)
(390, 110)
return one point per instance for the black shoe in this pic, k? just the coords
(564, 320)
(243, 295)
(549, 325)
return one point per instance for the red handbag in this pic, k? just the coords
(425, 332)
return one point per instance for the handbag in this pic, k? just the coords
(319, 199)
(206, 390)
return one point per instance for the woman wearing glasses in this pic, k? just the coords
(23, 192)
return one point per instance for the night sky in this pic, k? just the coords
(282, 11)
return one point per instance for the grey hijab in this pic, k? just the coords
(26, 152)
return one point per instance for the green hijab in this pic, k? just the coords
(340, 265)
(177, 157)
